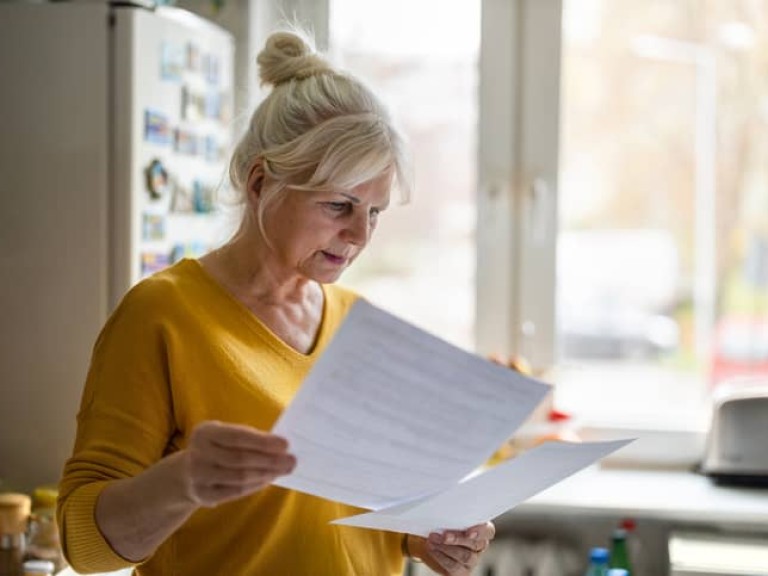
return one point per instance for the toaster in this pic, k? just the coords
(736, 450)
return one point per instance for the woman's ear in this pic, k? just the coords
(255, 179)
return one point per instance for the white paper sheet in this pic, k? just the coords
(489, 494)
(389, 413)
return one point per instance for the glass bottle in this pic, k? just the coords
(620, 550)
(634, 546)
(43, 537)
(598, 562)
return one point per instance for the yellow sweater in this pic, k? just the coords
(178, 350)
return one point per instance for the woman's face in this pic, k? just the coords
(319, 234)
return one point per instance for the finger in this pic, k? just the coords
(463, 555)
(485, 531)
(481, 533)
(214, 475)
(240, 459)
(240, 436)
(213, 491)
(446, 562)
(491, 530)
(214, 494)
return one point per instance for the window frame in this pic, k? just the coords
(518, 162)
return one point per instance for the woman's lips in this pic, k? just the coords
(333, 259)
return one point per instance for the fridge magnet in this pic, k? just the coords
(185, 142)
(211, 68)
(185, 103)
(213, 105)
(182, 199)
(152, 226)
(157, 180)
(193, 57)
(156, 128)
(203, 196)
(171, 62)
(188, 250)
(152, 262)
(192, 104)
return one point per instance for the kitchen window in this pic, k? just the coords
(662, 248)
(421, 262)
(599, 205)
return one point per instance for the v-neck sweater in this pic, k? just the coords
(178, 350)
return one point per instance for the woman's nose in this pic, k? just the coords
(358, 231)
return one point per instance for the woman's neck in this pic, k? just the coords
(242, 266)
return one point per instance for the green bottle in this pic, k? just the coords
(620, 551)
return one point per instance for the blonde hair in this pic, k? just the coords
(318, 129)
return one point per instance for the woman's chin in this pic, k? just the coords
(326, 271)
(327, 276)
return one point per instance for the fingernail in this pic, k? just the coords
(450, 538)
(473, 534)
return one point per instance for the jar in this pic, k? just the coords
(38, 568)
(43, 536)
(14, 518)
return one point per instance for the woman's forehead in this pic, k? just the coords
(376, 190)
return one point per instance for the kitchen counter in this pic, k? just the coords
(70, 572)
(678, 496)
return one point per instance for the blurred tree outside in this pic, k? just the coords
(628, 150)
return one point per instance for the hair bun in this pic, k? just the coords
(287, 56)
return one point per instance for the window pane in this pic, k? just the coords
(420, 264)
(663, 251)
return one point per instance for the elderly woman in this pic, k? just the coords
(172, 466)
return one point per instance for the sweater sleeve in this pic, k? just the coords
(124, 423)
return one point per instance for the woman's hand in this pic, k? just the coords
(228, 461)
(222, 462)
(454, 552)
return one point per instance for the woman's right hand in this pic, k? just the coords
(224, 462)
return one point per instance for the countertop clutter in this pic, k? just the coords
(29, 538)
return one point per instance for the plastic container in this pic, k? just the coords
(598, 562)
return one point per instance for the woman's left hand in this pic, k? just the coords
(453, 552)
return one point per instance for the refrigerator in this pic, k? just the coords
(115, 130)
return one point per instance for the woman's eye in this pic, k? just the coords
(337, 206)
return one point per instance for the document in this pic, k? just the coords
(490, 493)
(392, 419)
